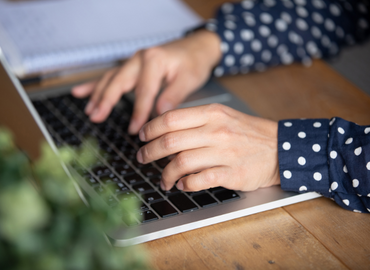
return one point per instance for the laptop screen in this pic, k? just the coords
(18, 114)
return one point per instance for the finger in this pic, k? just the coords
(172, 143)
(123, 82)
(174, 94)
(188, 162)
(84, 90)
(99, 88)
(148, 86)
(170, 121)
(209, 178)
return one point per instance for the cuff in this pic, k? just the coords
(302, 150)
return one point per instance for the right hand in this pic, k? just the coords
(181, 66)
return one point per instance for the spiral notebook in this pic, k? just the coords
(39, 37)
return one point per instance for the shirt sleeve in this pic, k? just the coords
(259, 34)
(331, 157)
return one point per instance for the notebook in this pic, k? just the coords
(50, 36)
(57, 117)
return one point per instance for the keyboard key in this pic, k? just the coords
(127, 195)
(193, 193)
(104, 193)
(170, 192)
(117, 188)
(92, 181)
(55, 123)
(216, 189)
(150, 172)
(164, 209)
(227, 195)
(142, 207)
(183, 203)
(140, 165)
(156, 180)
(152, 197)
(143, 188)
(134, 179)
(107, 179)
(124, 170)
(162, 162)
(111, 201)
(101, 171)
(148, 216)
(205, 200)
(73, 140)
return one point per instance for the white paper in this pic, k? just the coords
(51, 34)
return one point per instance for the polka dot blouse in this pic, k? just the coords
(331, 157)
(259, 34)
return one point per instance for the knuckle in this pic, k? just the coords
(182, 160)
(224, 133)
(218, 111)
(151, 53)
(216, 108)
(169, 119)
(168, 142)
(145, 154)
(210, 178)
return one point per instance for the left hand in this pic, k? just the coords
(214, 146)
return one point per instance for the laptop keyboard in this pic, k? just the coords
(116, 175)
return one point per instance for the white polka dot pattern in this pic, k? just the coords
(330, 165)
(315, 29)
(320, 155)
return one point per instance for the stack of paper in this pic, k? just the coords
(47, 36)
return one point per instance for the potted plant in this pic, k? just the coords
(43, 222)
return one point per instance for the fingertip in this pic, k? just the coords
(162, 185)
(82, 90)
(100, 113)
(180, 185)
(164, 106)
(142, 134)
(135, 126)
(90, 107)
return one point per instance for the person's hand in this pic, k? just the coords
(213, 145)
(181, 67)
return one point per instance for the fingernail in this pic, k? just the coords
(139, 156)
(162, 186)
(166, 106)
(142, 135)
(180, 185)
(77, 89)
(132, 129)
(94, 113)
(89, 107)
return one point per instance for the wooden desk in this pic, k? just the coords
(316, 234)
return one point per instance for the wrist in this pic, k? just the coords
(208, 44)
(272, 133)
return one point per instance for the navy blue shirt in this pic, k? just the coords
(331, 157)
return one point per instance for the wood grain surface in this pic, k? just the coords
(315, 234)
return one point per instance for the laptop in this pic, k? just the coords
(56, 117)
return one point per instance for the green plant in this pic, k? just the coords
(44, 223)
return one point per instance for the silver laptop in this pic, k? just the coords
(58, 118)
